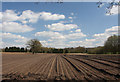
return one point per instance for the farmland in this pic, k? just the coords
(60, 67)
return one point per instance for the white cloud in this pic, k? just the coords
(44, 43)
(78, 30)
(9, 39)
(108, 32)
(113, 30)
(1, 44)
(114, 10)
(90, 40)
(72, 42)
(64, 39)
(50, 34)
(29, 16)
(97, 40)
(102, 37)
(50, 16)
(61, 27)
(54, 44)
(81, 43)
(70, 17)
(33, 16)
(15, 27)
(9, 15)
(6, 44)
(54, 38)
(75, 35)
(17, 38)
(63, 22)
(1, 16)
(10, 35)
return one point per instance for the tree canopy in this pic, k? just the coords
(34, 45)
(111, 45)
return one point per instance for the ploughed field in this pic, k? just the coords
(60, 67)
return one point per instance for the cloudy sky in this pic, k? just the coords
(57, 25)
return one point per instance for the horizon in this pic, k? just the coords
(57, 25)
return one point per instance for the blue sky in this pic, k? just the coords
(57, 25)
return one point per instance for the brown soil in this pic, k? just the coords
(60, 67)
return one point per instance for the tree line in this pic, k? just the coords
(15, 49)
(45, 50)
(111, 45)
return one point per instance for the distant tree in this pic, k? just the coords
(6, 49)
(111, 45)
(34, 45)
(66, 51)
(26, 50)
(14, 49)
(22, 50)
(96, 50)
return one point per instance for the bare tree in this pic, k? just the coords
(109, 5)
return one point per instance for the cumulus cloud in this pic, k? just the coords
(102, 37)
(6, 44)
(53, 38)
(78, 30)
(83, 43)
(16, 22)
(57, 35)
(29, 16)
(65, 39)
(15, 27)
(70, 17)
(53, 44)
(61, 26)
(44, 43)
(9, 39)
(108, 32)
(90, 40)
(113, 30)
(11, 19)
(9, 15)
(50, 34)
(1, 16)
(97, 40)
(16, 38)
(75, 35)
(50, 16)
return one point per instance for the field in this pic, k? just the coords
(60, 67)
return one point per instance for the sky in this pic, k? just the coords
(70, 24)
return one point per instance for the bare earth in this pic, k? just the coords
(27, 66)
